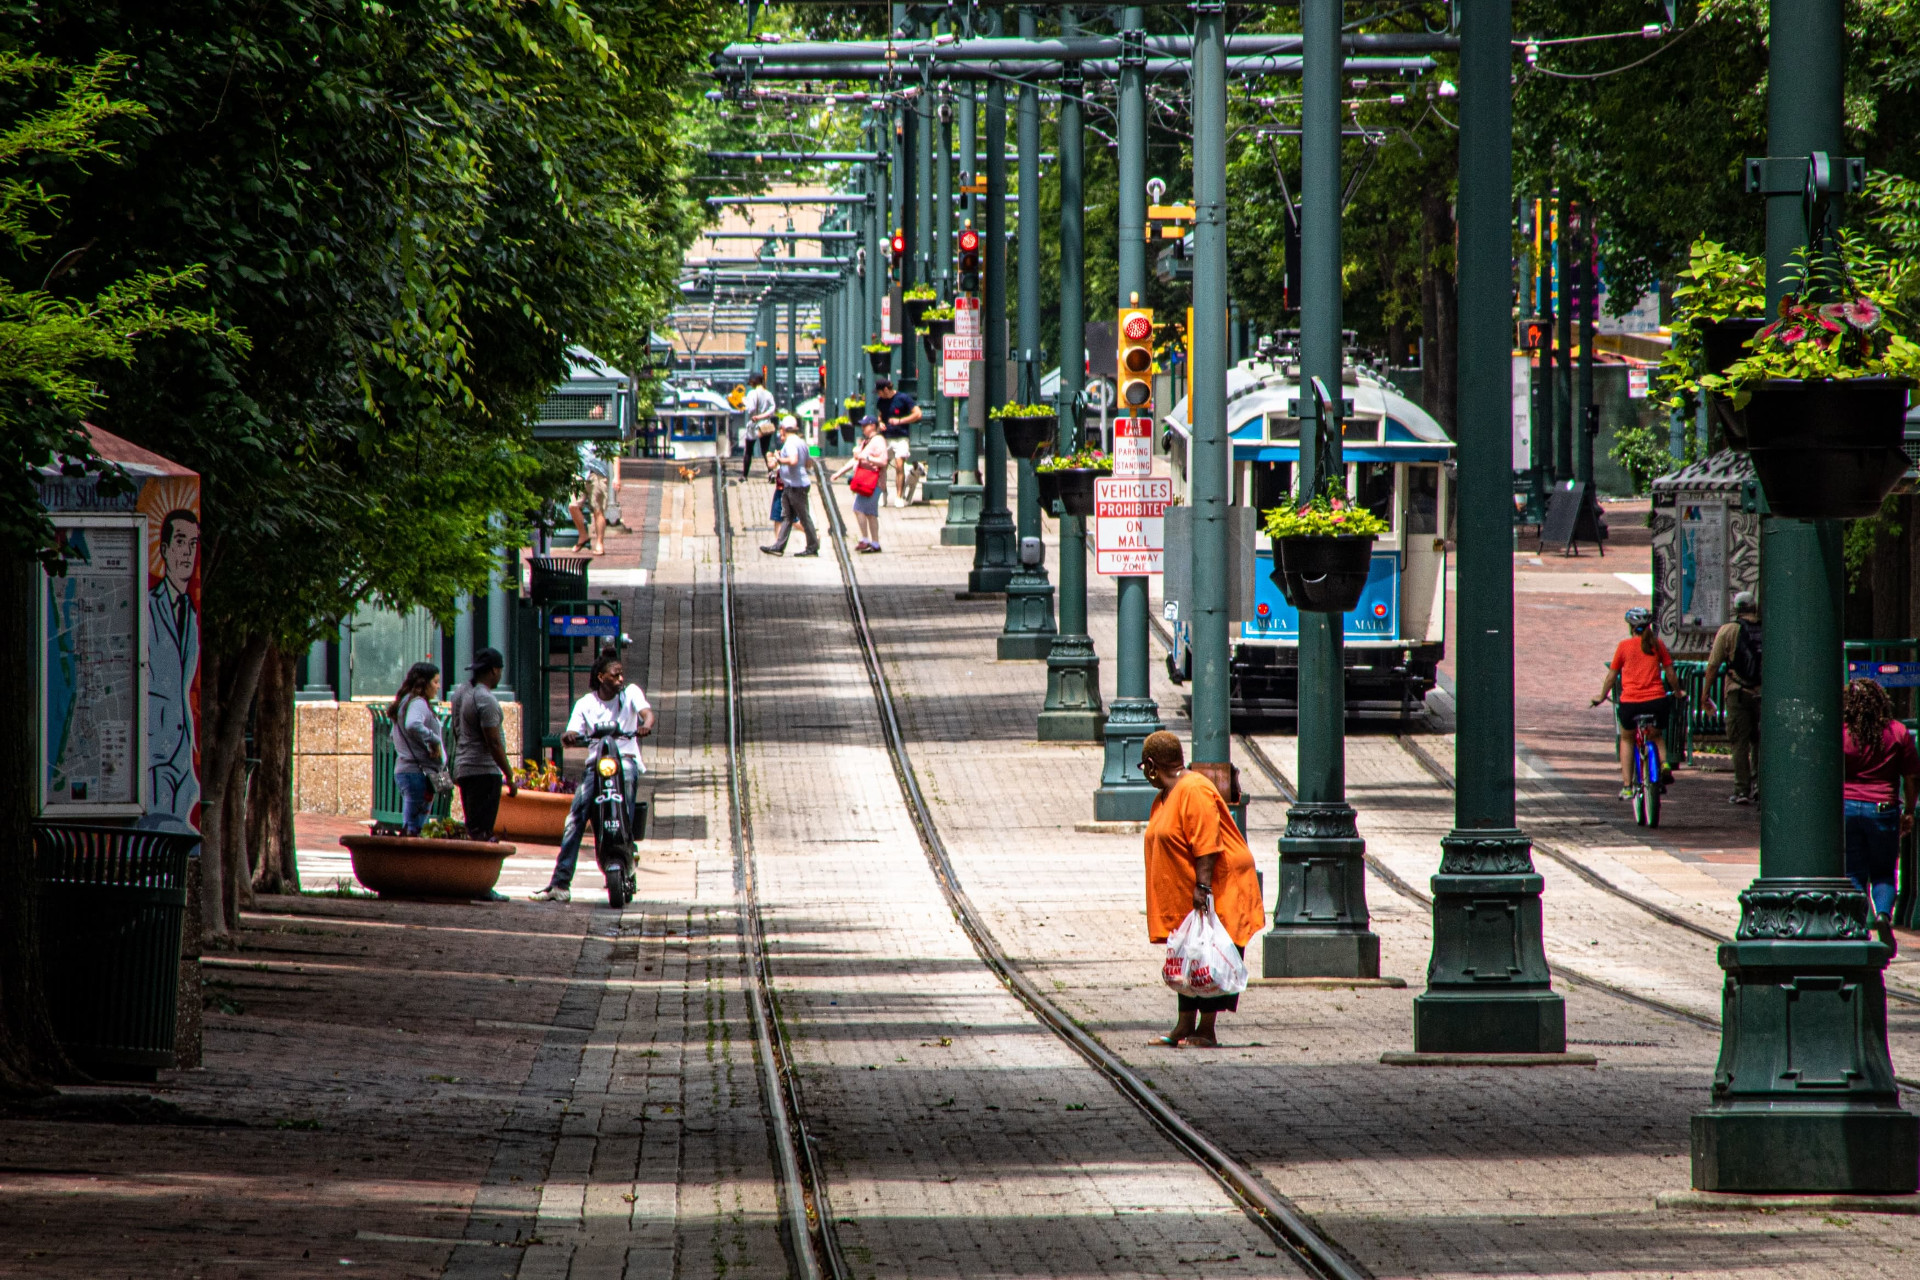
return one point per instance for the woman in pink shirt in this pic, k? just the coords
(1879, 755)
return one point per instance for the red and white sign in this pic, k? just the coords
(1133, 446)
(966, 319)
(956, 354)
(888, 334)
(1129, 524)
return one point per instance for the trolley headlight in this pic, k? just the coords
(608, 766)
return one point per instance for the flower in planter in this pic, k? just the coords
(542, 775)
(1012, 410)
(876, 348)
(919, 292)
(444, 829)
(1328, 514)
(1087, 459)
(937, 313)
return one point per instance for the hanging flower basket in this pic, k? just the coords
(933, 335)
(1319, 574)
(880, 361)
(1026, 435)
(1724, 341)
(1828, 449)
(913, 308)
(1047, 489)
(1075, 489)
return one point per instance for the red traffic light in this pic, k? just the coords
(1138, 328)
(899, 244)
(969, 241)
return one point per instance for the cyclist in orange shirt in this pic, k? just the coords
(1644, 671)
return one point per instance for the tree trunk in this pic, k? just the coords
(239, 894)
(230, 677)
(270, 798)
(30, 1055)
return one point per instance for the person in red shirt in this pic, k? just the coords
(1643, 670)
(1880, 757)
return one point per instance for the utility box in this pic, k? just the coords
(1177, 564)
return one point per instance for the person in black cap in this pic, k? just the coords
(480, 754)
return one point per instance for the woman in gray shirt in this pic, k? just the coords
(417, 746)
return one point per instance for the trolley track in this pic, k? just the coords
(1292, 1231)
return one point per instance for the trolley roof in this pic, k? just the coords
(1257, 390)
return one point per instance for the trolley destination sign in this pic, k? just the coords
(1129, 524)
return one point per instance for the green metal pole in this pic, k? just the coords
(1208, 467)
(995, 548)
(943, 445)
(907, 207)
(874, 278)
(967, 470)
(1320, 918)
(1563, 425)
(1488, 989)
(1028, 628)
(926, 385)
(1124, 795)
(1072, 710)
(1583, 418)
(1804, 1097)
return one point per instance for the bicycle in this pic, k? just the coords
(1646, 784)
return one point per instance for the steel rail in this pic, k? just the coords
(1573, 977)
(1286, 1225)
(807, 1217)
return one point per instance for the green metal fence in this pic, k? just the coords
(386, 792)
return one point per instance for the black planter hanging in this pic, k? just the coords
(856, 410)
(934, 334)
(1722, 343)
(1047, 488)
(914, 308)
(1025, 436)
(829, 437)
(880, 361)
(1323, 574)
(1828, 450)
(1076, 489)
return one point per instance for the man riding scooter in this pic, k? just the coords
(609, 703)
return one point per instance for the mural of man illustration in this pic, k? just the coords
(173, 631)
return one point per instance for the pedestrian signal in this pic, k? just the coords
(1531, 335)
(969, 259)
(1136, 358)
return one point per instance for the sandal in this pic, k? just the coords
(1163, 1042)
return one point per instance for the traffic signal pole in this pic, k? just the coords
(1804, 1098)
(1124, 795)
(1072, 711)
(1588, 285)
(1208, 466)
(1320, 918)
(1563, 368)
(943, 445)
(1488, 988)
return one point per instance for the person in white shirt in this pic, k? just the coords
(791, 475)
(761, 410)
(610, 701)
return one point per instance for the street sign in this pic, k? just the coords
(1132, 447)
(1129, 524)
(1099, 394)
(606, 625)
(1889, 675)
(966, 319)
(956, 354)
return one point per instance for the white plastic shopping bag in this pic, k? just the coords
(1201, 958)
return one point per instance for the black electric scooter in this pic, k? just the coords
(613, 834)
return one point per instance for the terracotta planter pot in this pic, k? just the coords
(413, 867)
(1026, 436)
(1828, 450)
(1323, 575)
(533, 815)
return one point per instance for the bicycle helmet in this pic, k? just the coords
(1639, 619)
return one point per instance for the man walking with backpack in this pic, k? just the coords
(1736, 649)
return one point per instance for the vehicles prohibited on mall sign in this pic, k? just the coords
(1129, 524)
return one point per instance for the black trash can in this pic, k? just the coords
(112, 901)
(555, 578)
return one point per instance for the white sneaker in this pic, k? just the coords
(551, 894)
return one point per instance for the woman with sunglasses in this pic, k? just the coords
(1195, 854)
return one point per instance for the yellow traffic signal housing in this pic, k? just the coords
(1135, 349)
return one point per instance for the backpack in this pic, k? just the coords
(1746, 655)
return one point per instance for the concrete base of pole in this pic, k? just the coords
(1123, 804)
(1489, 1022)
(1299, 952)
(1029, 630)
(964, 501)
(1819, 1149)
(943, 460)
(1320, 920)
(1124, 794)
(1488, 987)
(996, 553)
(1072, 712)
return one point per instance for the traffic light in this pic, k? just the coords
(1530, 335)
(969, 259)
(1136, 358)
(896, 252)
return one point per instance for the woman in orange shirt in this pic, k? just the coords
(1194, 851)
(1644, 670)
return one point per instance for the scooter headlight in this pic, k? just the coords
(608, 766)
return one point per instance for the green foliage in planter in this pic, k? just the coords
(1716, 284)
(1863, 335)
(876, 348)
(1328, 514)
(1012, 410)
(918, 292)
(1089, 459)
(937, 313)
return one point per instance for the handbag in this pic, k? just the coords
(866, 479)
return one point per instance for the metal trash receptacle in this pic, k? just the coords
(112, 902)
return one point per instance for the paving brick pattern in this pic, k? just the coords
(1430, 1172)
(960, 1138)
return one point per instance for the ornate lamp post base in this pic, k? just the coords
(1804, 1097)
(1488, 988)
(1124, 794)
(964, 502)
(1320, 919)
(995, 552)
(1028, 634)
(943, 459)
(1072, 711)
